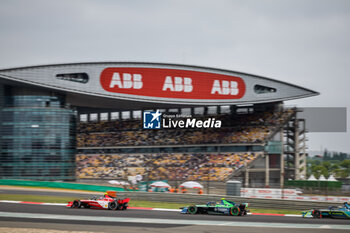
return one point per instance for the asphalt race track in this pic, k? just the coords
(96, 220)
(22, 217)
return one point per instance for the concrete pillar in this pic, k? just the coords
(304, 165)
(246, 183)
(205, 112)
(296, 150)
(282, 161)
(267, 170)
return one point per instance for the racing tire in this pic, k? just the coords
(112, 205)
(125, 206)
(234, 211)
(76, 204)
(242, 213)
(192, 209)
(316, 214)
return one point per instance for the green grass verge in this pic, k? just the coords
(133, 203)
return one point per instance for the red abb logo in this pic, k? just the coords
(126, 81)
(171, 84)
(225, 87)
(177, 84)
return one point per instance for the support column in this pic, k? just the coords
(296, 150)
(246, 178)
(205, 112)
(282, 160)
(303, 156)
(267, 171)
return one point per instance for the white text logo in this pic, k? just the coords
(179, 84)
(225, 87)
(126, 81)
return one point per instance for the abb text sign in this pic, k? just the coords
(171, 83)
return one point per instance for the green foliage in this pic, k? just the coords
(341, 173)
(318, 170)
(345, 164)
(332, 163)
(340, 169)
(327, 165)
(316, 162)
(334, 166)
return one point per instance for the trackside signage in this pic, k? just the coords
(171, 83)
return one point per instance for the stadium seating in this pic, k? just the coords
(246, 128)
(180, 166)
(239, 128)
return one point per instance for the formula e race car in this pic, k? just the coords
(107, 201)
(331, 212)
(222, 207)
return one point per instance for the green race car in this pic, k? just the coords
(222, 207)
(331, 212)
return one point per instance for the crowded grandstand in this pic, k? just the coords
(238, 128)
(243, 128)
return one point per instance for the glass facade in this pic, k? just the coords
(37, 138)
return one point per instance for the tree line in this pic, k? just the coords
(331, 163)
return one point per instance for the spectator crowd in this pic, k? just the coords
(245, 128)
(238, 128)
(169, 166)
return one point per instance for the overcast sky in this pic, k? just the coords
(304, 42)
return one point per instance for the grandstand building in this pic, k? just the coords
(86, 121)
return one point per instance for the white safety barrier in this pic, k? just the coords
(288, 194)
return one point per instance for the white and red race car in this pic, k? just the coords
(108, 201)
